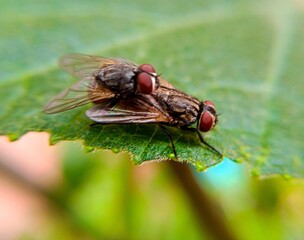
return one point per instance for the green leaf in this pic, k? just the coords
(246, 56)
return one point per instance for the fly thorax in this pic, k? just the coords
(183, 110)
(119, 80)
(162, 98)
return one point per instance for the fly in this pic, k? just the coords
(117, 103)
(102, 77)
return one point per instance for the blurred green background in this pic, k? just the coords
(67, 192)
(101, 195)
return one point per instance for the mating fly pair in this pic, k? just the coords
(125, 93)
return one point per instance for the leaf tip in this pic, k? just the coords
(115, 150)
(88, 149)
(171, 156)
(200, 167)
(255, 172)
(13, 137)
(287, 176)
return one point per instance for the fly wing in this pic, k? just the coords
(86, 90)
(84, 66)
(81, 93)
(143, 109)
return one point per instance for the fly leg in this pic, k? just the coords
(94, 124)
(170, 138)
(203, 141)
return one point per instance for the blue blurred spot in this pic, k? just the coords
(226, 174)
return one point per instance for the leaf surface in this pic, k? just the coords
(246, 56)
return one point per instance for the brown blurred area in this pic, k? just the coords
(26, 165)
(31, 171)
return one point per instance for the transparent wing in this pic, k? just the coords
(84, 66)
(85, 90)
(143, 109)
(81, 93)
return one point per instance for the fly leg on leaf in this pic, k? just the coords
(203, 141)
(170, 138)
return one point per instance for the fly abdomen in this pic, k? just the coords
(181, 107)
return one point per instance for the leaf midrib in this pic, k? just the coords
(284, 31)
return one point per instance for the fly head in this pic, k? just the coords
(207, 119)
(147, 79)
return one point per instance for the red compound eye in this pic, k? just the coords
(145, 83)
(206, 122)
(146, 79)
(209, 103)
(147, 68)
